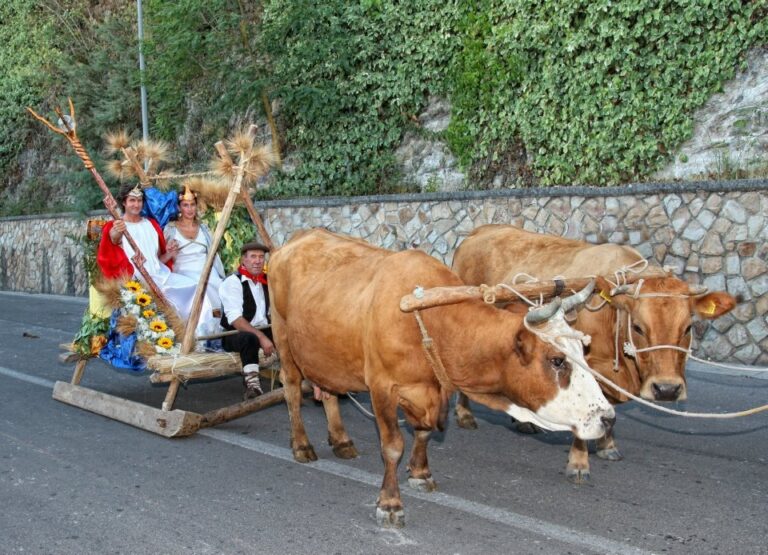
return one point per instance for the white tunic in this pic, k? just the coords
(178, 289)
(191, 259)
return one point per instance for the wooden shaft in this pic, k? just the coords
(256, 219)
(189, 333)
(231, 412)
(437, 296)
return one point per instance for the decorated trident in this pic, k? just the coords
(68, 128)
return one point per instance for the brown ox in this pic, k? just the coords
(337, 322)
(659, 313)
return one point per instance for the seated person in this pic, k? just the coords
(114, 253)
(245, 303)
(194, 240)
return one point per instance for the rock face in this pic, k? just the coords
(718, 238)
(730, 136)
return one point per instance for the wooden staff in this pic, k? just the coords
(68, 130)
(188, 342)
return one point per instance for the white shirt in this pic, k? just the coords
(231, 293)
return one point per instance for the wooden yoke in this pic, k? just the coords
(188, 342)
(246, 196)
(67, 128)
(438, 296)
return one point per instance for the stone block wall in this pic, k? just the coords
(710, 233)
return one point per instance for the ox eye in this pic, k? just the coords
(557, 362)
(687, 330)
(637, 329)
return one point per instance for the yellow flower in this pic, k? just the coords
(143, 299)
(149, 313)
(134, 286)
(157, 325)
(165, 342)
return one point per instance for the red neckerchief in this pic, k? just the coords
(261, 278)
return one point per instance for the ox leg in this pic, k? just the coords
(464, 417)
(337, 434)
(606, 448)
(418, 467)
(389, 505)
(291, 378)
(577, 470)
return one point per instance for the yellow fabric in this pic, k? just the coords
(97, 304)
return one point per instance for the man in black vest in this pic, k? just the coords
(245, 303)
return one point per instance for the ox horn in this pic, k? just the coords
(543, 313)
(695, 290)
(621, 289)
(579, 298)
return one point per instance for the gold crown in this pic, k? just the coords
(188, 194)
(136, 192)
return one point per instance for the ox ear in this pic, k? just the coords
(713, 305)
(525, 346)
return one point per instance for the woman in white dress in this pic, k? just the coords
(194, 241)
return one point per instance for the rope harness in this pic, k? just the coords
(629, 347)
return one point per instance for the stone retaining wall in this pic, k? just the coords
(712, 233)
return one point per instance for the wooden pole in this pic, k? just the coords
(274, 397)
(68, 131)
(437, 296)
(189, 333)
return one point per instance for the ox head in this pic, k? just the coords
(549, 345)
(657, 316)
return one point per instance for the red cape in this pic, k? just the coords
(111, 258)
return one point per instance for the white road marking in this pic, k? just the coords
(511, 519)
(26, 377)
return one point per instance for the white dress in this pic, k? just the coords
(190, 261)
(177, 288)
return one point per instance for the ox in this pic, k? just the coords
(337, 323)
(653, 316)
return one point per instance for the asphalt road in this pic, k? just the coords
(75, 482)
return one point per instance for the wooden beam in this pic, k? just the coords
(175, 423)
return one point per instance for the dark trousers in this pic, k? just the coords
(246, 344)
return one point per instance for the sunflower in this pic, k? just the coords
(143, 299)
(134, 286)
(158, 325)
(165, 342)
(149, 313)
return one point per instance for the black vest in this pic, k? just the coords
(249, 304)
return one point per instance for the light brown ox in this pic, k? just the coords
(661, 315)
(337, 322)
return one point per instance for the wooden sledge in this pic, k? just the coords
(166, 421)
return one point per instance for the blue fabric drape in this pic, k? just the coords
(160, 206)
(118, 351)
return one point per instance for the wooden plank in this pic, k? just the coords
(175, 423)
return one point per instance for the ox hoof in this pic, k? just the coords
(390, 518)
(610, 454)
(466, 421)
(304, 454)
(345, 450)
(527, 428)
(425, 485)
(577, 475)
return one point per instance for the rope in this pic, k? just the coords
(161, 177)
(550, 339)
(729, 366)
(366, 412)
(433, 357)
